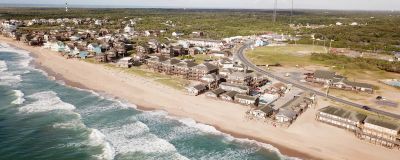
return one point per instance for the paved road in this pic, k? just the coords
(241, 57)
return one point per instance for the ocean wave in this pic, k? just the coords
(3, 66)
(136, 137)
(46, 101)
(20, 97)
(212, 130)
(96, 138)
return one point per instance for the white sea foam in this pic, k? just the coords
(96, 138)
(3, 66)
(136, 137)
(20, 97)
(46, 101)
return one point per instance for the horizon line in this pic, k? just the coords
(81, 6)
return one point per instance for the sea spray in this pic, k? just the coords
(46, 101)
(20, 97)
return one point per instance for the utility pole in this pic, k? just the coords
(291, 13)
(66, 5)
(275, 7)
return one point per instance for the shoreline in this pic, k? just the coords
(282, 149)
(305, 139)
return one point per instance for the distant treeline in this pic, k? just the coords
(342, 61)
(378, 31)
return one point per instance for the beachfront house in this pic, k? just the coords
(215, 93)
(83, 54)
(183, 68)
(285, 115)
(58, 46)
(199, 71)
(246, 99)
(168, 66)
(197, 89)
(234, 87)
(341, 118)
(381, 132)
(155, 62)
(125, 62)
(239, 78)
(262, 112)
(229, 96)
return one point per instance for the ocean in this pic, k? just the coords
(41, 118)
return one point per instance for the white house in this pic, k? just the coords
(128, 29)
(285, 115)
(339, 23)
(59, 46)
(197, 89)
(125, 62)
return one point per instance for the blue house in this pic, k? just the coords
(83, 54)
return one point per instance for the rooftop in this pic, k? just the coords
(383, 123)
(347, 114)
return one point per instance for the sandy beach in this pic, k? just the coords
(306, 138)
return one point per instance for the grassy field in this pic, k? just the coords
(171, 81)
(290, 55)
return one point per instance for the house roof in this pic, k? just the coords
(382, 123)
(218, 91)
(357, 84)
(354, 116)
(171, 61)
(235, 85)
(200, 87)
(187, 64)
(287, 113)
(206, 66)
(231, 94)
(246, 97)
(238, 75)
(266, 109)
(324, 74)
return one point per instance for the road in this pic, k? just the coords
(240, 55)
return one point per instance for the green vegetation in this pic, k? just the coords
(380, 33)
(342, 61)
(290, 55)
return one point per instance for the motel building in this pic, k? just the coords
(381, 132)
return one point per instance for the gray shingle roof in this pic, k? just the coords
(383, 123)
(354, 116)
(324, 74)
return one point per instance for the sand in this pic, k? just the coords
(306, 138)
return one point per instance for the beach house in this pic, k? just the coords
(168, 66)
(201, 70)
(381, 132)
(285, 115)
(246, 99)
(229, 96)
(196, 89)
(125, 62)
(155, 62)
(341, 118)
(234, 87)
(262, 112)
(183, 68)
(239, 78)
(215, 93)
(58, 46)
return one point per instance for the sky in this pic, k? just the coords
(239, 4)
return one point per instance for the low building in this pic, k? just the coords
(197, 89)
(201, 70)
(215, 93)
(125, 62)
(246, 99)
(239, 78)
(234, 87)
(262, 112)
(342, 118)
(381, 132)
(229, 96)
(285, 115)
